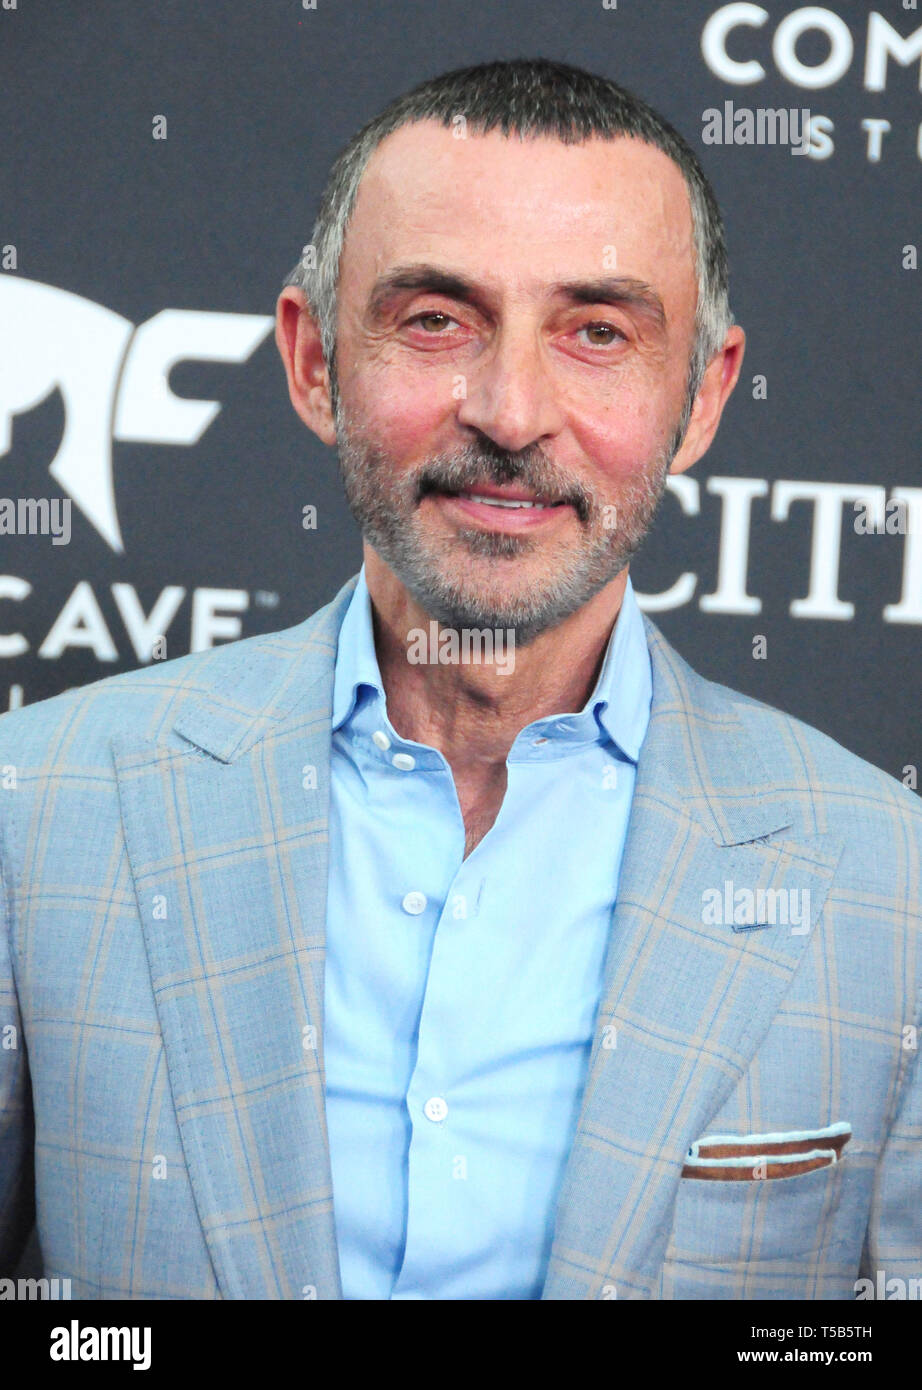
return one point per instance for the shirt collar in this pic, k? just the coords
(619, 703)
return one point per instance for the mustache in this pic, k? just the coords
(466, 471)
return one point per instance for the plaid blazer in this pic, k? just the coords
(163, 850)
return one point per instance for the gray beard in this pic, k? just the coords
(384, 503)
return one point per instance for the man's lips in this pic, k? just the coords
(505, 493)
(507, 508)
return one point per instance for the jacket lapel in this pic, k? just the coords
(227, 833)
(685, 1000)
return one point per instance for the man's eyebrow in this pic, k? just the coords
(619, 290)
(622, 291)
(427, 278)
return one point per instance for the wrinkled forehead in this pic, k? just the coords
(519, 210)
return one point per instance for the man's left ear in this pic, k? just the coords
(713, 394)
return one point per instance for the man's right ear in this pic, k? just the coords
(298, 340)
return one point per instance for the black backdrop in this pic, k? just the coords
(104, 229)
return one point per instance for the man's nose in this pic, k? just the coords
(510, 394)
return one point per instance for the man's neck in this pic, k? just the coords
(473, 712)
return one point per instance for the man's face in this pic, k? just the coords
(485, 346)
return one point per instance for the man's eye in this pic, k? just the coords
(608, 328)
(433, 316)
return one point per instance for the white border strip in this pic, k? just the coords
(791, 1136)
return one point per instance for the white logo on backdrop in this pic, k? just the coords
(113, 377)
(884, 44)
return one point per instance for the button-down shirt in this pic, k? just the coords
(461, 993)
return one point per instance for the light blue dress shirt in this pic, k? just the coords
(460, 994)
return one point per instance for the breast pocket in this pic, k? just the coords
(733, 1223)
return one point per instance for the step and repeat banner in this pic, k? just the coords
(162, 167)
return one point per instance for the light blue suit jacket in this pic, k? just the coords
(163, 849)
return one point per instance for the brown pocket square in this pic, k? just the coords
(782, 1154)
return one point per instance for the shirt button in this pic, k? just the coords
(381, 740)
(415, 903)
(538, 741)
(405, 761)
(435, 1109)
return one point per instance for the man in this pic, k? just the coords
(460, 941)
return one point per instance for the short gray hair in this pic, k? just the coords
(525, 97)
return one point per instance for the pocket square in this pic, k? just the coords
(783, 1154)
